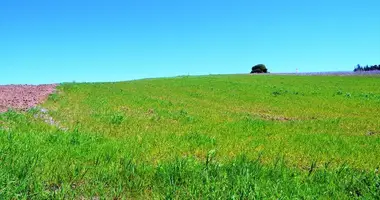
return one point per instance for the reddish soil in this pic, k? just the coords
(23, 97)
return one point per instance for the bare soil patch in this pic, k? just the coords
(274, 117)
(23, 97)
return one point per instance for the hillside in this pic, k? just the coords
(228, 136)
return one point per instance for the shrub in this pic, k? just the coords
(260, 68)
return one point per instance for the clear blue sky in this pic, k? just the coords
(45, 41)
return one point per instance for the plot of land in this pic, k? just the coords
(227, 136)
(23, 96)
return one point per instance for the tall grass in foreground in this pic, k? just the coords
(41, 162)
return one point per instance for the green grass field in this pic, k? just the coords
(203, 137)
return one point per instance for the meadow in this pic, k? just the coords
(198, 137)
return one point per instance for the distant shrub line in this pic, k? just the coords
(359, 68)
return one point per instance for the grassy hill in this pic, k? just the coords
(227, 136)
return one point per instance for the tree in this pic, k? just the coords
(358, 68)
(260, 68)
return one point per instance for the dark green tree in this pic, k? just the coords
(260, 68)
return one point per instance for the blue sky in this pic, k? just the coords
(46, 41)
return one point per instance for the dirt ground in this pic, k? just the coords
(23, 97)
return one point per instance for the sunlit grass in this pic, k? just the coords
(198, 137)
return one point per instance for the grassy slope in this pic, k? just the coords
(156, 138)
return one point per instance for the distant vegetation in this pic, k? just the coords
(260, 68)
(366, 68)
(207, 137)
